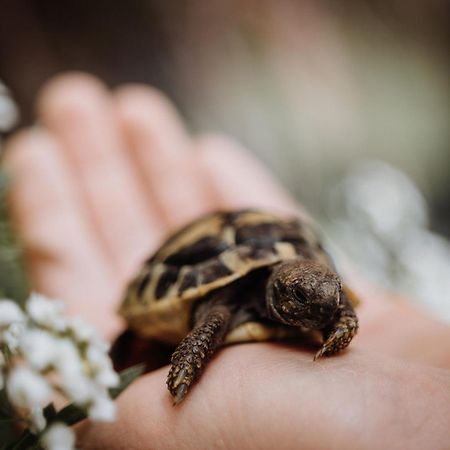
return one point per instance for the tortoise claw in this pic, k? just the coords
(319, 354)
(180, 387)
(329, 348)
(178, 382)
(180, 394)
(339, 338)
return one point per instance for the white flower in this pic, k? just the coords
(68, 360)
(11, 336)
(39, 347)
(103, 409)
(78, 388)
(74, 380)
(37, 418)
(10, 312)
(101, 344)
(107, 378)
(51, 355)
(9, 113)
(85, 333)
(58, 437)
(26, 388)
(82, 331)
(97, 359)
(46, 312)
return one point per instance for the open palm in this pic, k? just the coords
(99, 183)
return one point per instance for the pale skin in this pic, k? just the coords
(99, 183)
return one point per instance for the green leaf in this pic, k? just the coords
(50, 412)
(127, 376)
(73, 414)
(26, 442)
(8, 421)
(6, 409)
(13, 282)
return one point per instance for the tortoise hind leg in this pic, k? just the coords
(191, 356)
(339, 334)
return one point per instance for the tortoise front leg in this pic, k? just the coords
(194, 351)
(339, 334)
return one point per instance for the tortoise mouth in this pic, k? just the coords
(307, 320)
(316, 322)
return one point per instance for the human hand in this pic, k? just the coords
(96, 186)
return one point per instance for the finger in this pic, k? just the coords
(80, 112)
(60, 248)
(239, 180)
(162, 152)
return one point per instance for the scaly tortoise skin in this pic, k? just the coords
(233, 277)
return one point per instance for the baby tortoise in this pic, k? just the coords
(237, 276)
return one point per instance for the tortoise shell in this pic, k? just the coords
(207, 254)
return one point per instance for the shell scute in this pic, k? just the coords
(203, 249)
(166, 280)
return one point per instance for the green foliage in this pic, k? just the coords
(13, 282)
(6, 429)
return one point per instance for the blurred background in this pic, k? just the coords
(346, 102)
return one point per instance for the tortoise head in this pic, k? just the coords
(303, 293)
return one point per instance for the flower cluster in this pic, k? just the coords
(45, 357)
